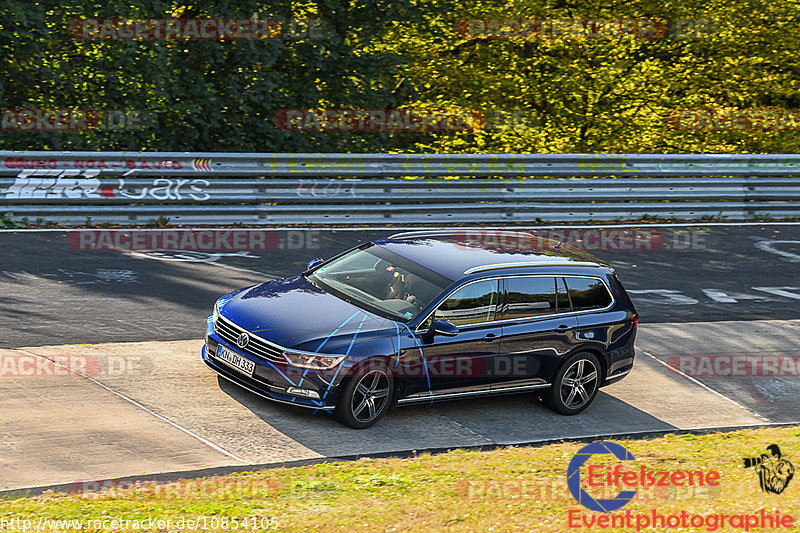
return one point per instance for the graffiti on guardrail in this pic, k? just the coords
(56, 183)
(326, 189)
(698, 167)
(168, 189)
(521, 165)
(100, 164)
(47, 183)
(691, 168)
(756, 196)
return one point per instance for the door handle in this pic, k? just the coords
(562, 328)
(489, 337)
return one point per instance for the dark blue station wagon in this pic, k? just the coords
(425, 316)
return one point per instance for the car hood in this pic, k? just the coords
(294, 313)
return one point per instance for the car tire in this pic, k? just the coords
(366, 396)
(575, 385)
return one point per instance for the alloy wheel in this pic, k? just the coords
(370, 396)
(579, 383)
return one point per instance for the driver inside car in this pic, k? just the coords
(402, 288)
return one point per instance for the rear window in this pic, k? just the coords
(588, 293)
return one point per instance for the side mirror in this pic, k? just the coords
(443, 327)
(314, 262)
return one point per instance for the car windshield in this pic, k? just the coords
(380, 280)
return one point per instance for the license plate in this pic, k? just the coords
(234, 360)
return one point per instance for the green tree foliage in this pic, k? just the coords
(570, 94)
(203, 95)
(615, 95)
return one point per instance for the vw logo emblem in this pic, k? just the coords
(243, 339)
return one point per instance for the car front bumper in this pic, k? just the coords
(280, 383)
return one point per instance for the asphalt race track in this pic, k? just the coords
(56, 294)
(720, 308)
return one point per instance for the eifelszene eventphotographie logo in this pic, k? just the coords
(604, 477)
(603, 505)
(774, 472)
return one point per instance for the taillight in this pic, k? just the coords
(635, 320)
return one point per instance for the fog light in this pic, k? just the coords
(302, 392)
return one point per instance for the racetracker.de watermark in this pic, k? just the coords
(207, 29)
(26, 365)
(504, 489)
(588, 239)
(125, 488)
(597, 29)
(378, 119)
(735, 366)
(203, 240)
(734, 119)
(75, 119)
(406, 119)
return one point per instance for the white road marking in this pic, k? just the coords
(731, 297)
(140, 406)
(213, 262)
(103, 275)
(706, 387)
(769, 246)
(668, 296)
(781, 291)
(191, 256)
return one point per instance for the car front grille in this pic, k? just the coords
(257, 346)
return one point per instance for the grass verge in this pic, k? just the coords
(509, 489)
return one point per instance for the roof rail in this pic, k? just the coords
(433, 233)
(528, 264)
(421, 233)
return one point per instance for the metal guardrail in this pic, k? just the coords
(227, 188)
(388, 165)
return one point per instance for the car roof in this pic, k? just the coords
(458, 253)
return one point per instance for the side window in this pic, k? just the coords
(530, 296)
(473, 303)
(588, 293)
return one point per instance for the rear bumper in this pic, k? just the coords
(618, 375)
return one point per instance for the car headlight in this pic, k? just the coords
(313, 361)
(215, 313)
